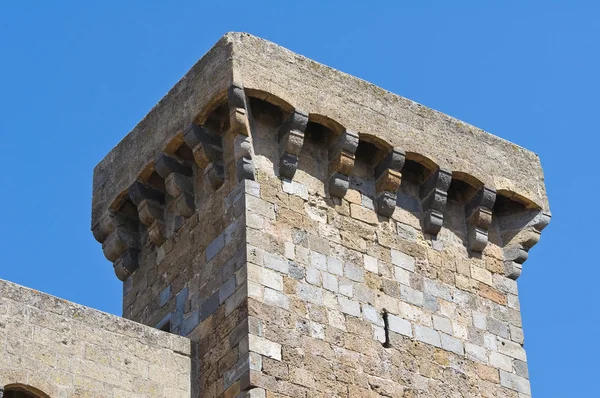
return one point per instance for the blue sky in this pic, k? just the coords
(76, 76)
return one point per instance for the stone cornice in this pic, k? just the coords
(216, 92)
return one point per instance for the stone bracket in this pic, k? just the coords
(387, 181)
(291, 139)
(479, 217)
(341, 162)
(126, 264)
(178, 181)
(150, 206)
(515, 254)
(239, 121)
(238, 111)
(120, 242)
(207, 148)
(434, 195)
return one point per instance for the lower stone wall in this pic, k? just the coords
(68, 350)
(342, 304)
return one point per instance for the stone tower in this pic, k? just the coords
(317, 236)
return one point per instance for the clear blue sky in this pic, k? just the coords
(76, 76)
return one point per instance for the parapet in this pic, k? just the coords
(60, 349)
(199, 137)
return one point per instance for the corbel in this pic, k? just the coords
(341, 162)
(291, 139)
(178, 181)
(207, 148)
(238, 111)
(240, 127)
(479, 217)
(387, 181)
(150, 206)
(515, 254)
(434, 195)
(120, 242)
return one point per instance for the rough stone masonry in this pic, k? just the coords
(316, 236)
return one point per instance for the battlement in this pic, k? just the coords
(200, 134)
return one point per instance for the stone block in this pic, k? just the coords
(399, 325)
(411, 295)
(476, 353)
(165, 295)
(428, 336)
(335, 266)
(511, 349)
(277, 299)
(514, 382)
(310, 293)
(370, 264)
(452, 344)
(370, 314)
(276, 263)
(265, 347)
(501, 361)
(348, 306)
(215, 247)
(442, 324)
(354, 272)
(330, 282)
(318, 260)
(403, 260)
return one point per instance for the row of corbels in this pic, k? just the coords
(388, 176)
(119, 232)
(120, 236)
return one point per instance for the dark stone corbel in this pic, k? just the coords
(126, 264)
(341, 162)
(240, 127)
(208, 152)
(291, 139)
(517, 251)
(238, 111)
(387, 181)
(178, 181)
(120, 242)
(434, 195)
(479, 217)
(150, 206)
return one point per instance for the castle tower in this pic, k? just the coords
(317, 236)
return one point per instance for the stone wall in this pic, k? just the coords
(346, 303)
(68, 350)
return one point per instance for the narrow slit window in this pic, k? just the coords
(386, 328)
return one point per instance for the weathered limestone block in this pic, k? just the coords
(434, 194)
(341, 162)
(387, 181)
(479, 217)
(291, 139)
